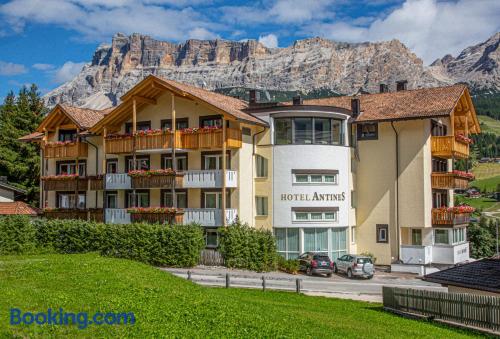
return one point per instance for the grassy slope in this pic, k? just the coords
(485, 204)
(487, 176)
(168, 306)
(489, 124)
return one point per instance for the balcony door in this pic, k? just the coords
(69, 200)
(69, 168)
(142, 163)
(214, 199)
(439, 199)
(213, 161)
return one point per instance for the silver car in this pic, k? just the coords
(354, 266)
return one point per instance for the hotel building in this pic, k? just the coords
(371, 173)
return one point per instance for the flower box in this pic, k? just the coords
(162, 178)
(156, 215)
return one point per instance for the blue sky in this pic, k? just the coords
(48, 41)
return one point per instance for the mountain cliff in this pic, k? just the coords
(314, 64)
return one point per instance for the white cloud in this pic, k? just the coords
(201, 34)
(429, 28)
(270, 40)
(97, 20)
(10, 68)
(43, 67)
(67, 71)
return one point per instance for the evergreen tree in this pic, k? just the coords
(20, 161)
(482, 238)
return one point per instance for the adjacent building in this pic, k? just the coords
(371, 173)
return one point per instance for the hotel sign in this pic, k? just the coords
(313, 197)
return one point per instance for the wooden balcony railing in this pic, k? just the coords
(65, 150)
(96, 183)
(158, 218)
(158, 181)
(69, 213)
(448, 147)
(448, 180)
(208, 139)
(66, 184)
(124, 144)
(442, 217)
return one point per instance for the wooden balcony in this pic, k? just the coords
(157, 181)
(69, 213)
(209, 139)
(65, 150)
(448, 147)
(158, 218)
(441, 217)
(96, 183)
(66, 184)
(448, 180)
(143, 142)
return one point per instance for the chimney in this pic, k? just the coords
(297, 100)
(401, 85)
(355, 107)
(384, 88)
(254, 96)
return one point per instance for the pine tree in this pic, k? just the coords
(20, 161)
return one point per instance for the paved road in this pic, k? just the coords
(337, 286)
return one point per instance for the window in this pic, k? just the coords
(211, 121)
(141, 196)
(299, 177)
(354, 199)
(368, 131)
(416, 237)
(302, 130)
(67, 200)
(67, 135)
(383, 233)
(439, 199)
(142, 163)
(214, 200)
(211, 238)
(353, 234)
(214, 161)
(287, 240)
(182, 123)
(140, 126)
(261, 166)
(112, 166)
(458, 235)
(438, 129)
(181, 158)
(316, 240)
(69, 167)
(338, 241)
(180, 196)
(261, 205)
(111, 200)
(301, 214)
(441, 237)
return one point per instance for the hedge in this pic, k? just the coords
(176, 245)
(248, 248)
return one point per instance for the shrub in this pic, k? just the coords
(17, 235)
(289, 266)
(249, 248)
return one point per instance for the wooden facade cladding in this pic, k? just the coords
(448, 180)
(158, 218)
(448, 147)
(65, 150)
(201, 139)
(442, 217)
(158, 181)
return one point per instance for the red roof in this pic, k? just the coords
(17, 207)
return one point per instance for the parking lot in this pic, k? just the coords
(338, 286)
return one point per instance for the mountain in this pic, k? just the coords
(312, 66)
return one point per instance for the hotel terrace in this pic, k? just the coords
(371, 173)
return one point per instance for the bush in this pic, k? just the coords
(289, 266)
(17, 235)
(248, 248)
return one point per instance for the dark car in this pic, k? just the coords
(315, 263)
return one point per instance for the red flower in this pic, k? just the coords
(154, 210)
(148, 173)
(462, 138)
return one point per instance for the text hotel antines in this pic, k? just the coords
(313, 197)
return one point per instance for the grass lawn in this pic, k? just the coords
(489, 124)
(488, 170)
(488, 184)
(167, 306)
(486, 204)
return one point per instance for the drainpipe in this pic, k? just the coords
(398, 236)
(96, 163)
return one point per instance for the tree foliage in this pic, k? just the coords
(482, 238)
(19, 161)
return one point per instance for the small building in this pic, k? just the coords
(478, 277)
(9, 193)
(18, 208)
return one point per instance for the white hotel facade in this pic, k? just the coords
(372, 173)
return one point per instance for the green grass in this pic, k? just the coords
(166, 306)
(485, 204)
(488, 170)
(486, 185)
(489, 124)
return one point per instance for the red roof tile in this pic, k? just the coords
(17, 207)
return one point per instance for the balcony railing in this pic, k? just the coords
(448, 147)
(209, 216)
(65, 183)
(449, 218)
(415, 254)
(449, 180)
(117, 181)
(117, 216)
(63, 213)
(157, 218)
(157, 181)
(208, 139)
(65, 150)
(209, 179)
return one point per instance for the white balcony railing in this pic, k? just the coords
(116, 216)
(209, 179)
(117, 181)
(414, 254)
(450, 254)
(208, 216)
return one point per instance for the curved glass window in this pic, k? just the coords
(305, 131)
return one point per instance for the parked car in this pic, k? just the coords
(355, 266)
(315, 263)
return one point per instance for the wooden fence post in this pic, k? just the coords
(189, 275)
(263, 283)
(297, 285)
(228, 281)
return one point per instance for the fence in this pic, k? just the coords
(210, 257)
(467, 309)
